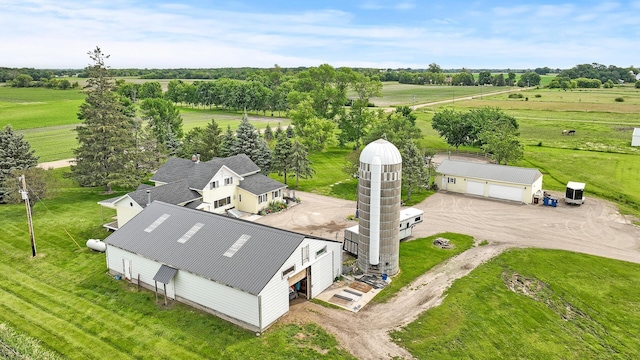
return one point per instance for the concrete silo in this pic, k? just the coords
(379, 186)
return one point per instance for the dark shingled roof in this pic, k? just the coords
(173, 193)
(259, 184)
(241, 164)
(249, 269)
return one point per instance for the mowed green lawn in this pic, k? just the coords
(586, 308)
(28, 108)
(65, 298)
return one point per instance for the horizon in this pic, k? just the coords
(47, 34)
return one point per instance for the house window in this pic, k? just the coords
(228, 181)
(214, 184)
(305, 254)
(222, 202)
(262, 198)
(288, 271)
(276, 194)
(451, 180)
(240, 197)
(321, 251)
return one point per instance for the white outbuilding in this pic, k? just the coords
(241, 271)
(635, 138)
(490, 180)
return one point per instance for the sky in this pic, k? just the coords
(57, 34)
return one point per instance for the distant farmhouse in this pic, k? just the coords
(221, 185)
(241, 271)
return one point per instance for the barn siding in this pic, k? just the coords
(275, 299)
(142, 266)
(220, 298)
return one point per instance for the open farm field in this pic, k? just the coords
(396, 94)
(201, 117)
(65, 298)
(523, 305)
(27, 108)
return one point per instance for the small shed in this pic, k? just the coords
(574, 193)
(489, 180)
(238, 270)
(635, 139)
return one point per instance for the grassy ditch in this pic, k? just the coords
(420, 255)
(523, 305)
(65, 298)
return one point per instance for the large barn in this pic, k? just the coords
(490, 180)
(239, 270)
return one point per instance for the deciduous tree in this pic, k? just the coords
(453, 126)
(41, 184)
(414, 171)
(164, 120)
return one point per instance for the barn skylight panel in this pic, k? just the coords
(194, 229)
(237, 245)
(157, 223)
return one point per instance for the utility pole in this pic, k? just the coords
(25, 197)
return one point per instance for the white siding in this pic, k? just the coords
(221, 298)
(144, 267)
(321, 274)
(274, 299)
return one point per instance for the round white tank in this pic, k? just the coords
(379, 187)
(97, 245)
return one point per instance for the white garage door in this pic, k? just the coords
(505, 192)
(321, 274)
(475, 188)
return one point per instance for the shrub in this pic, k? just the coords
(638, 84)
(515, 96)
(620, 99)
(538, 95)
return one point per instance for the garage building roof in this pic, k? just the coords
(493, 172)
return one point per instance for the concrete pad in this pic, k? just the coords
(342, 288)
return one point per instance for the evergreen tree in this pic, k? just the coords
(282, 156)
(106, 137)
(227, 143)
(15, 153)
(278, 132)
(414, 171)
(301, 165)
(268, 133)
(290, 132)
(249, 142)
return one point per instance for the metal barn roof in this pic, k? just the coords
(249, 269)
(493, 172)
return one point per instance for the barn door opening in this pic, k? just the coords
(299, 285)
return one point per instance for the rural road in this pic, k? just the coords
(594, 228)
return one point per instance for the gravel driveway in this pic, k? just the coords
(594, 228)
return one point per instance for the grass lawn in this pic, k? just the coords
(28, 108)
(330, 180)
(585, 309)
(65, 298)
(420, 255)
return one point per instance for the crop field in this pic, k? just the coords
(522, 305)
(396, 94)
(65, 298)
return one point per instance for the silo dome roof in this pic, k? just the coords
(386, 151)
